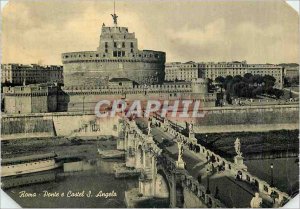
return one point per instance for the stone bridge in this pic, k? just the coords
(238, 170)
(160, 175)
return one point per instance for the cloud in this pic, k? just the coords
(210, 34)
(258, 32)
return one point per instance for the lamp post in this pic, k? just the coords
(207, 177)
(207, 186)
(272, 181)
(83, 103)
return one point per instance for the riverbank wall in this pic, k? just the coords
(216, 119)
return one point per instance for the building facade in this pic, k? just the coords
(190, 70)
(291, 72)
(18, 74)
(177, 71)
(117, 56)
(214, 70)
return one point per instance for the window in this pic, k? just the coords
(123, 44)
(106, 44)
(131, 44)
(115, 44)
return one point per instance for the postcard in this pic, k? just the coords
(149, 104)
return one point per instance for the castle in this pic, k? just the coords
(117, 70)
(117, 56)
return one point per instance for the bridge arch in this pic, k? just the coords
(162, 185)
(174, 186)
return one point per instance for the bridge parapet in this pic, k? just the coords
(186, 181)
(200, 191)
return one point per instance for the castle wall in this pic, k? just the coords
(30, 98)
(253, 119)
(39, 103)
(57, 124)
(85, 100)
(23, 127)
(19, 104)
(272, 114)
(98, 72)
(52, 102)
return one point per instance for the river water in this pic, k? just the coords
(99, 180)
(285, 172)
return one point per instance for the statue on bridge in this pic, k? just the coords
(256, 201)
(180, 163)
(191, 131)
(237, 147)
(191, 128)
(180, 150)
(238, 159)
(149, 127)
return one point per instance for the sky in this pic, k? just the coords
(36, 31)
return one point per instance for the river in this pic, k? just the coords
(97, 181)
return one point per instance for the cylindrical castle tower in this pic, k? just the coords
(117, 56)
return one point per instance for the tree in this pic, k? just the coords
(286, 82)
(238, 88)
(295, 80)
(228, 78)
(278, 93)
(227, 82)
(237, 78)
(209, 84)
(257, 79)
(256, 91)
(228, 98)
(269, 81)
(248, 76)
(220, 79)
